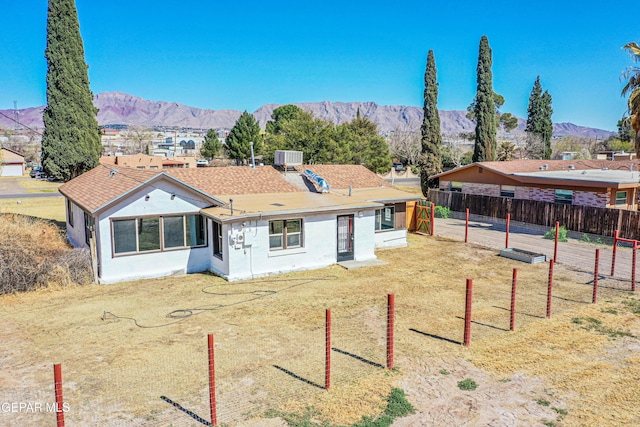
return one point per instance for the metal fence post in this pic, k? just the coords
(391, 308)
(595, 277)
(466, 226)
(512, 322)
(467, 313)
(212, 381)
(613, 256)
(550, 289)
(327, 353)
(57, 381)
(555, 245)
(506, 241)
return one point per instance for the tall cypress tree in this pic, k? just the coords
(71, 141)
(485, 109)
(547, 123)
(430, 159)
(539, 124)
(533, 109)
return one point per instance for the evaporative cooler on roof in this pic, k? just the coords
(288, 158)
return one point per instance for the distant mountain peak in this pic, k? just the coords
(127, 109)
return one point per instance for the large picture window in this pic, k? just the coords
(285, 234)
(157, 233)
(386, 218)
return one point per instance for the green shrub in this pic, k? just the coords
(467, 384)
(415, 170)
(586, 239)
(441, 212)
(562, 234)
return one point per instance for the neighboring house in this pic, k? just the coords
(236, 222)
(145, 161)
(598, 183)
(12, 163)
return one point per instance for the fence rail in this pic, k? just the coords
(584, 219)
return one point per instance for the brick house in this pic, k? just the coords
(597, 183)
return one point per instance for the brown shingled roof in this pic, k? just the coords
(344, 176)
(234, 180)
(96, 188)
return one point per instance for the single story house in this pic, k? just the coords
(236, 222)
(598, 183)
(12, 163)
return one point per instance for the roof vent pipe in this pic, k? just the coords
(253, 159)
(350, 190)
(231, 204)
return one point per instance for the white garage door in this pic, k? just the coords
(11, 170)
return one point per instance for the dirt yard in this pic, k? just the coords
(135, 353)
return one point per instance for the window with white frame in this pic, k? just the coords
(285, 234)
(621, 198)
(507, 191)
(158, 233)
(385, 218)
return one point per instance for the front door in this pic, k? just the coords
(345, 238)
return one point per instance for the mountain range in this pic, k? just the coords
(124, 109)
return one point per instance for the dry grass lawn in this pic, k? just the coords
(40, 207)
(120, 351)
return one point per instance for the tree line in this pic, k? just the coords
(292, 128)
(484, 110)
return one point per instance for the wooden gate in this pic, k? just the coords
(423, 217)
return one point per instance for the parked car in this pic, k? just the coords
(202, 163)
(36, 172)
(398, 166)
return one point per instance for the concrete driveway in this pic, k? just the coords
(578, 252)
(10, 185)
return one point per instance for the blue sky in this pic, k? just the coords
(241, 55)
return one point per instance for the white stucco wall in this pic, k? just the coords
(157, 264)
(253, 258)
(391, 239)
(75, 232)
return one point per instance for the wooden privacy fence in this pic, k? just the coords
(583, 219)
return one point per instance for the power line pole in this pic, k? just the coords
(15, 112)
